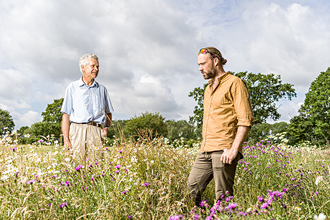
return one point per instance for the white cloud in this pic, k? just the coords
(26, 119)
(148, 49)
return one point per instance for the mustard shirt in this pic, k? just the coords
(225, 108)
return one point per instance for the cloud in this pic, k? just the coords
(26, 119)
(148, 49)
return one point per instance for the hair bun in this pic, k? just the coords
(223, 61)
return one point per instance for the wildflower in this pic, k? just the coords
(202, 203)
(124, 192)
(231, 206)
(196, 217)
(320, 217)
(117, 166)
(117, 171)
(316, 193)
(79, 167)
(63, 205)
(67, 159)
(40, 141)
(67, 183)
(146, 184)
(318, 180)
(130, 216)
(31, 181)
(120, 151)
(176, 217)
(264, 205)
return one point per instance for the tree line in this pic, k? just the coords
(312, 123)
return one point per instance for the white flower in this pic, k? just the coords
(318, 180)
(67, 159)
(320, 217)
(4, 177)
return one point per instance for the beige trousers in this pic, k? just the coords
(86, 140)
(208, 165)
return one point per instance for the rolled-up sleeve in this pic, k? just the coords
(242, 104)
(108, 104)
(67, 106)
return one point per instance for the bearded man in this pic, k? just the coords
(226, 123)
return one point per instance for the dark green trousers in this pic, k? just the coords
(208, 165)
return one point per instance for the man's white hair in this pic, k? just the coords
(84, 59)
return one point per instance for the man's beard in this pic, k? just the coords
(210, 74)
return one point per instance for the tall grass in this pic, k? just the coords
(146, 179)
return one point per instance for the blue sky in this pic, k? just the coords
(148, 49)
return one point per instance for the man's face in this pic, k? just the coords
(206, 66)
(91, 69)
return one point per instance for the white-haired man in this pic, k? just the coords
(86, 110)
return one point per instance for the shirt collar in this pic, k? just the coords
(94, 84)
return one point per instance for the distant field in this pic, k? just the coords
(147, 180)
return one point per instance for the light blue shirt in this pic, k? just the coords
(84, 103)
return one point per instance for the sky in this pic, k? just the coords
(148, 49)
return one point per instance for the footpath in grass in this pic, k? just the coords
(146, 179)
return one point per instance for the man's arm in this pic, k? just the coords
(108, 121)
(230, 154)
(65, 130)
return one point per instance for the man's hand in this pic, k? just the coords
(68, 144)
(105, 131)
(229, 155)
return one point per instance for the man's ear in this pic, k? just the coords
(216, 61)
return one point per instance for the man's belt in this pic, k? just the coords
(90, 123)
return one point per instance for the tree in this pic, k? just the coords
(53, 114)
(265, 90)
(313, 122)
(6, 122)
(144, 123)
(180, 128)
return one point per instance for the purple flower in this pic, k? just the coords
(231, 206)
(202, 203)
(79, 167)
(261, 198)
(120, 151)
(176, 217)
(67, 183)
(130, 216)
(117, 166)
(63, 205)
(124, 192)
(264, 205)
(146, 184)
(196, 217)
(31, 181)
(40, 141)
(316, 193)
(117, 171)
(285, 190)
(54, 176)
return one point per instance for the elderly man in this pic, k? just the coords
(86, 110)
(226, 122)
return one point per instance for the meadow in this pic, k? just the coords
(146, 179)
